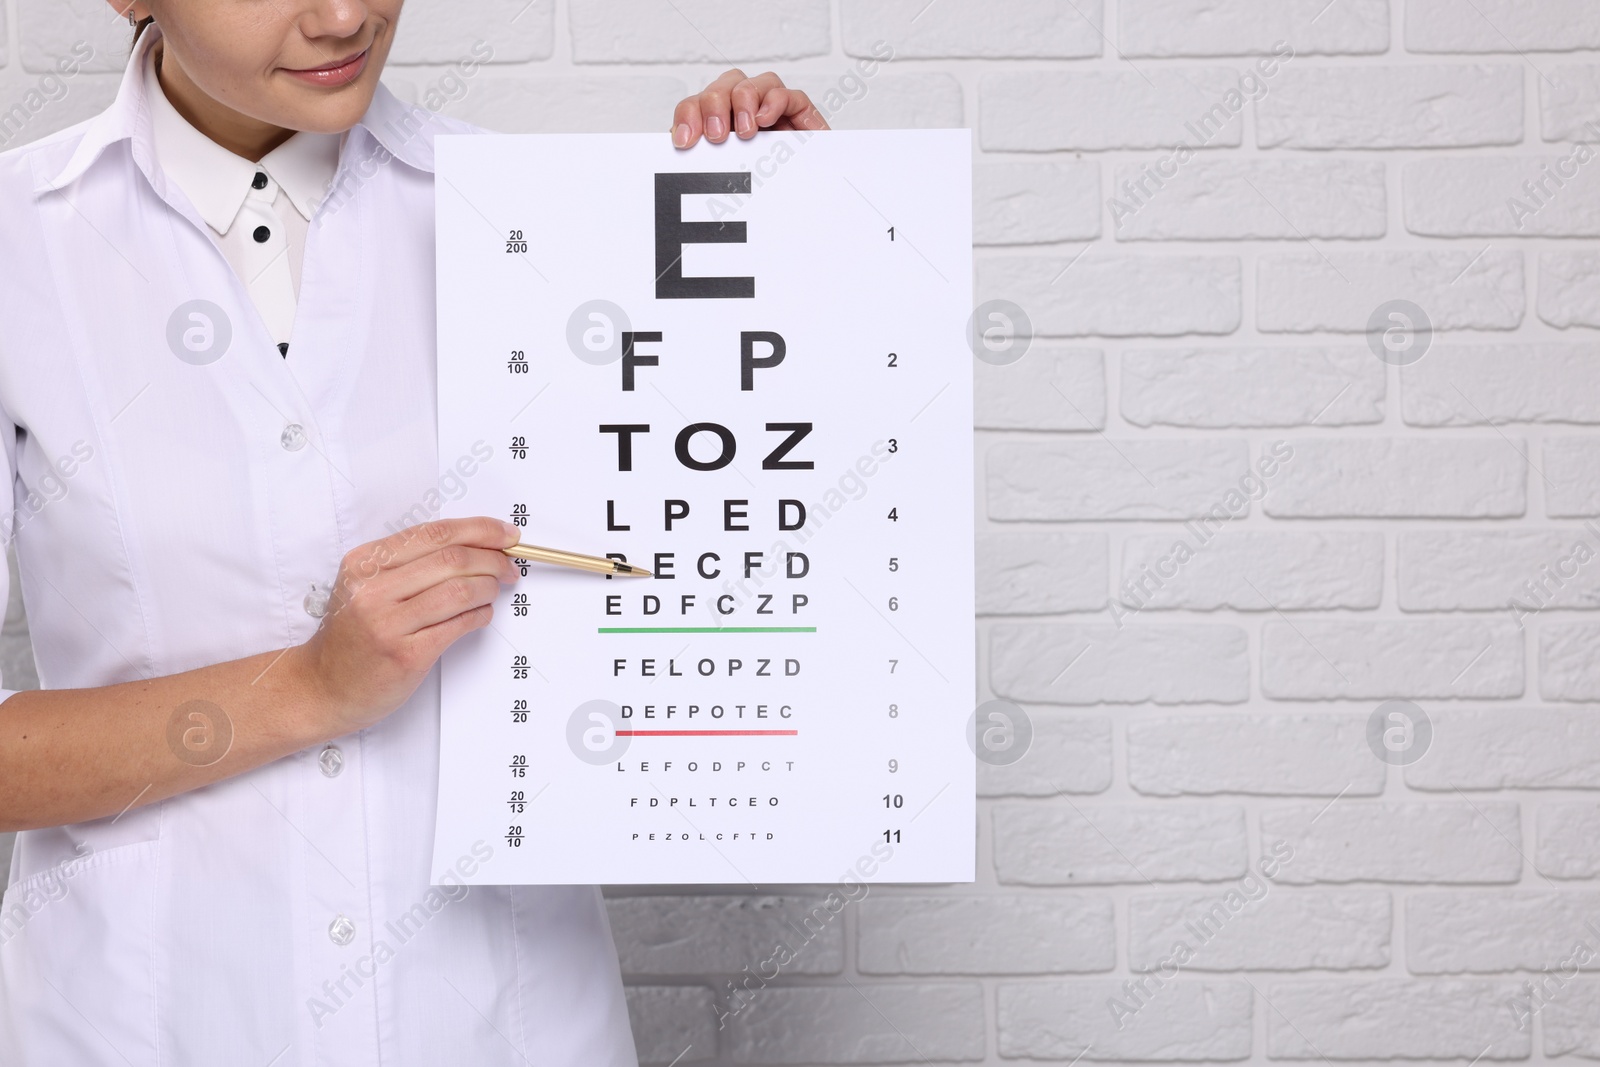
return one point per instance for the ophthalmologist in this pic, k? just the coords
(216, 400)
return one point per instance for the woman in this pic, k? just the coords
(214, 399)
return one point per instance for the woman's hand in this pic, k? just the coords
(743, 105)
(70, 755)
(398, 603)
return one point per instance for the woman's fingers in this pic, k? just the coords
(747, 99)
(686, 122)
(741, 106)
(414, 542)
(445, 600)
(799, 113)
(452, 561)
(774, 104)
(716, 106)
(770, 104)
(429, 644)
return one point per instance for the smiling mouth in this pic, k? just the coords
(339, 72)
(334, 66)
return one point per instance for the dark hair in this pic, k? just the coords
(139, 28)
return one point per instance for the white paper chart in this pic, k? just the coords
(743, 367)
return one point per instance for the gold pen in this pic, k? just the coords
(597, 564)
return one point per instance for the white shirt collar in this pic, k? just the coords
(402, 130)
(217, 181)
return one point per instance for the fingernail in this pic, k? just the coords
(715, 127)
(513, 532)
(743, 122)
(680, 136)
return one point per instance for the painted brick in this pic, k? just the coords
(1434, 106)
(1055, 110)
(1251, 570)
(1094, 664)
(1493, 570)
(1281, 753)
(1569, 660)
(1468, 289)
(1569, 99)
(1061, 843)
(1572, 1020)
(1502, 196)
(1500, 26)
(440, 31)
(1093, 293)
(1250, 27)
(1363, 841)
(1446, 659)
(1483, 932)
(674, 935)
(1234, 199)
(1261, 927)
(1510, 748)
(964, 29)
(28, 113)
(1569, 840)
(1035, 203)
(1225, 387)
(986, 935)
(1041, 573)
(623, 104)
(1474, 477)
(1389, 1018)
(886, 101)
(1047, 389)
(1467, 386)
(1107, 1021)
(1068, 754)
(1101, 479)
(1571, 477)
(673, 1024)
(1569, 288)
(860, 1023)
(726, 32)
(48, 30)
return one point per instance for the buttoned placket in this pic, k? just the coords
(325, 809)
(329, 798)
(268, 278)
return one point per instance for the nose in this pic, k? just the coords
(332, 18)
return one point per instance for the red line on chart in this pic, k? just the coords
(707, 733)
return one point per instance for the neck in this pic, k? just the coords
(237, 132)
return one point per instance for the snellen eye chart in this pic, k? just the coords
(744, 368)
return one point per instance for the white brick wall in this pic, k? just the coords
(1350, 532)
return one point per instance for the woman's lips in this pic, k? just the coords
(341, 72)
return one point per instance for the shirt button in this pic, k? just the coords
(293, 437)
(331, 761)
(262, 235)
(259, 181)
(341, 931)
(316, 602)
